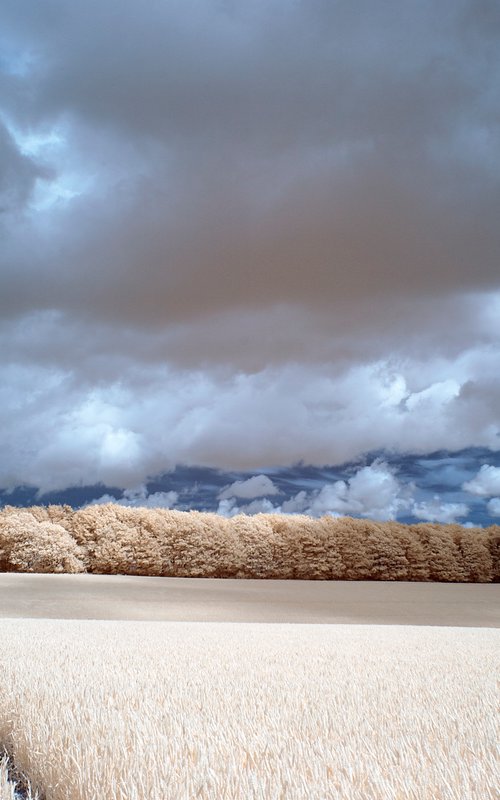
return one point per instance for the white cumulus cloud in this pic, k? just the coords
(256, 486)
(437, 511)
(486, 483)
(229, 508)
(140, 498)
(494, 506)
(373, 491)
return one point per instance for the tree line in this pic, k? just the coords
(113, 539)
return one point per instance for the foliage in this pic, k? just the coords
(112, 539)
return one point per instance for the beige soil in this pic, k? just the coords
(225, 600)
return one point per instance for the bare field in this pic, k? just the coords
(95, 710)
(235, 600)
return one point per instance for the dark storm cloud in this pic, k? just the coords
(269, 223)
(286, 151)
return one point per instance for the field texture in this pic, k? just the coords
(138, 711)
(127, 597)
(112, 539)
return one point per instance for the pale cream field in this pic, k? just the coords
(30, 595)
(127, 710)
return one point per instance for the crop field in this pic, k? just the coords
(136, 664)
(121, 710)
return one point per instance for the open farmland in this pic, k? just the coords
(95, 710)
(154, 687)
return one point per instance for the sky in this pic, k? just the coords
(252, 242)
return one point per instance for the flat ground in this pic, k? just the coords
(119, 597)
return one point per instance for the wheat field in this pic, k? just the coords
(107, 710)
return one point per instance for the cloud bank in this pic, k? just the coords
(241, 235)
(373, 491)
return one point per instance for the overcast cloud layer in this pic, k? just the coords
(243, 235)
